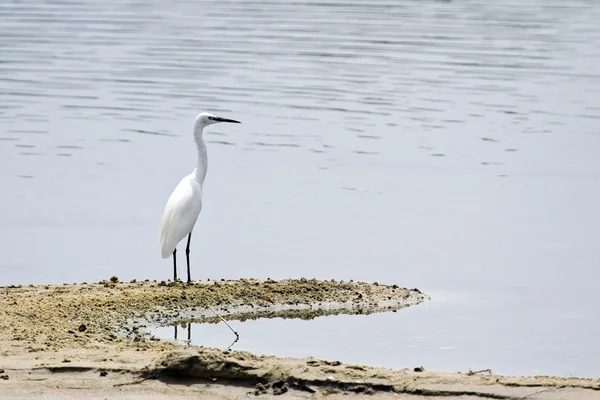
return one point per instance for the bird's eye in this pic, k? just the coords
(211, 118)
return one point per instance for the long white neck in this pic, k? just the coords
(202, 166)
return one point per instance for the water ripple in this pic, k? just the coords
(429, 64)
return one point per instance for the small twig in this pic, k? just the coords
(489, 371)
(237, 336)
(234, 342)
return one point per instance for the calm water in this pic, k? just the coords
(449, 146)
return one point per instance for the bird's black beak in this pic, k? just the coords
(219, 119)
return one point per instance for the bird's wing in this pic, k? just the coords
(180, 215)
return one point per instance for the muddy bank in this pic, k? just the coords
(45, 318)
(217, 374)
(73, 341)
(276, 375)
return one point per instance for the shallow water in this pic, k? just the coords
(449, 146)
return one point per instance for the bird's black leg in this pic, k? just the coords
(174, 265)
(187, 256)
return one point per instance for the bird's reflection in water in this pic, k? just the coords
(189, 333)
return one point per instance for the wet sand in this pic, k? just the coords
(92, 340)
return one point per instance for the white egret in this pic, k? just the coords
(184, 205)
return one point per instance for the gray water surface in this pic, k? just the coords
(451, 146)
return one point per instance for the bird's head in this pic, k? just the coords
(205, 119)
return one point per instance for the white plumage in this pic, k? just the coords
(185, 203)
(181, 212)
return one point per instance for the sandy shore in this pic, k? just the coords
(92, 341)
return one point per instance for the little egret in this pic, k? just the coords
(185, 203)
